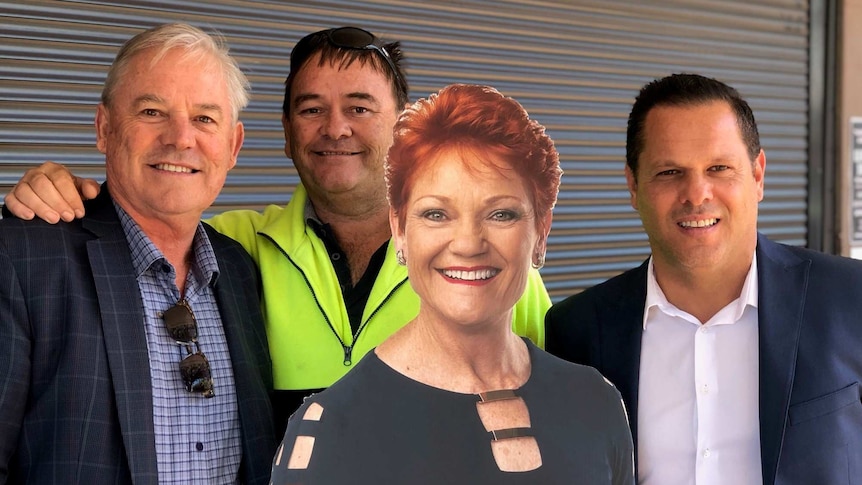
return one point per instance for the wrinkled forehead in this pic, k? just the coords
(155, 63)
(176, 75)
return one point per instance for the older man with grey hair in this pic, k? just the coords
(132, 348)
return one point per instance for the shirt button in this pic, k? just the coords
(703, 329)
(166, 269)
(199, 446)
(704, 389)
(706, 453)
(336, 256)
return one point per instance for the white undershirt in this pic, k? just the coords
(698, 420)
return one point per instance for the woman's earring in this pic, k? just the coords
(399, 256)
(538, 260)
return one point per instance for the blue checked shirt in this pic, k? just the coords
(197, 439)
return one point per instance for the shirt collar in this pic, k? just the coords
(310, 214)
(655, 297)
(144, 253)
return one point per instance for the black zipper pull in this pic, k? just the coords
(347, 355)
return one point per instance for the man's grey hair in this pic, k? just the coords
(197, 45)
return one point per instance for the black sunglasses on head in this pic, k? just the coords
(194, 367)
(345, 38)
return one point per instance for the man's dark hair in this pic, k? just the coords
(687, 90)
(321, 42)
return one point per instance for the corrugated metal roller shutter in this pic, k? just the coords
(575, 65)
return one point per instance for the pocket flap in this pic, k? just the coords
(823, 405)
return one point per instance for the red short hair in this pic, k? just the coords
(478, 118)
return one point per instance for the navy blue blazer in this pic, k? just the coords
(810, 331)
(75, 390)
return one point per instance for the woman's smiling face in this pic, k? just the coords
(468, 235)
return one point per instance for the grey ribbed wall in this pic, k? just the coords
(575, 65)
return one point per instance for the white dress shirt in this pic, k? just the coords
(698, 420)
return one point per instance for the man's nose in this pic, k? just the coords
(336, 126)
(179, 133)
(696, 189)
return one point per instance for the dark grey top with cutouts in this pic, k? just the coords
(381, 427)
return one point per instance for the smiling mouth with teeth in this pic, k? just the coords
(173, 168)
(482, 274)
(698, 224)
(336, 154)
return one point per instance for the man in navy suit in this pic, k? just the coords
(739, 359)
(132, 348)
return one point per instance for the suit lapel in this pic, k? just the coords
(782, 286)
(621, 330)
(125, 337)
(240, 351)
(246, 341)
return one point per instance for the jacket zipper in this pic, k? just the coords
(388, 296)
(348, 349)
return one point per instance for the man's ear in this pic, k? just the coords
(759, 167)
(632, 184)
(285, 125)
(238, 137)
(103, 127)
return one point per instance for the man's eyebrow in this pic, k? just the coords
(363, 96)
(209, 107)
(301, 98)
(152, 98)
(663, 163)
(148, 98)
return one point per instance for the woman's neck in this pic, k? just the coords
(458, 358)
